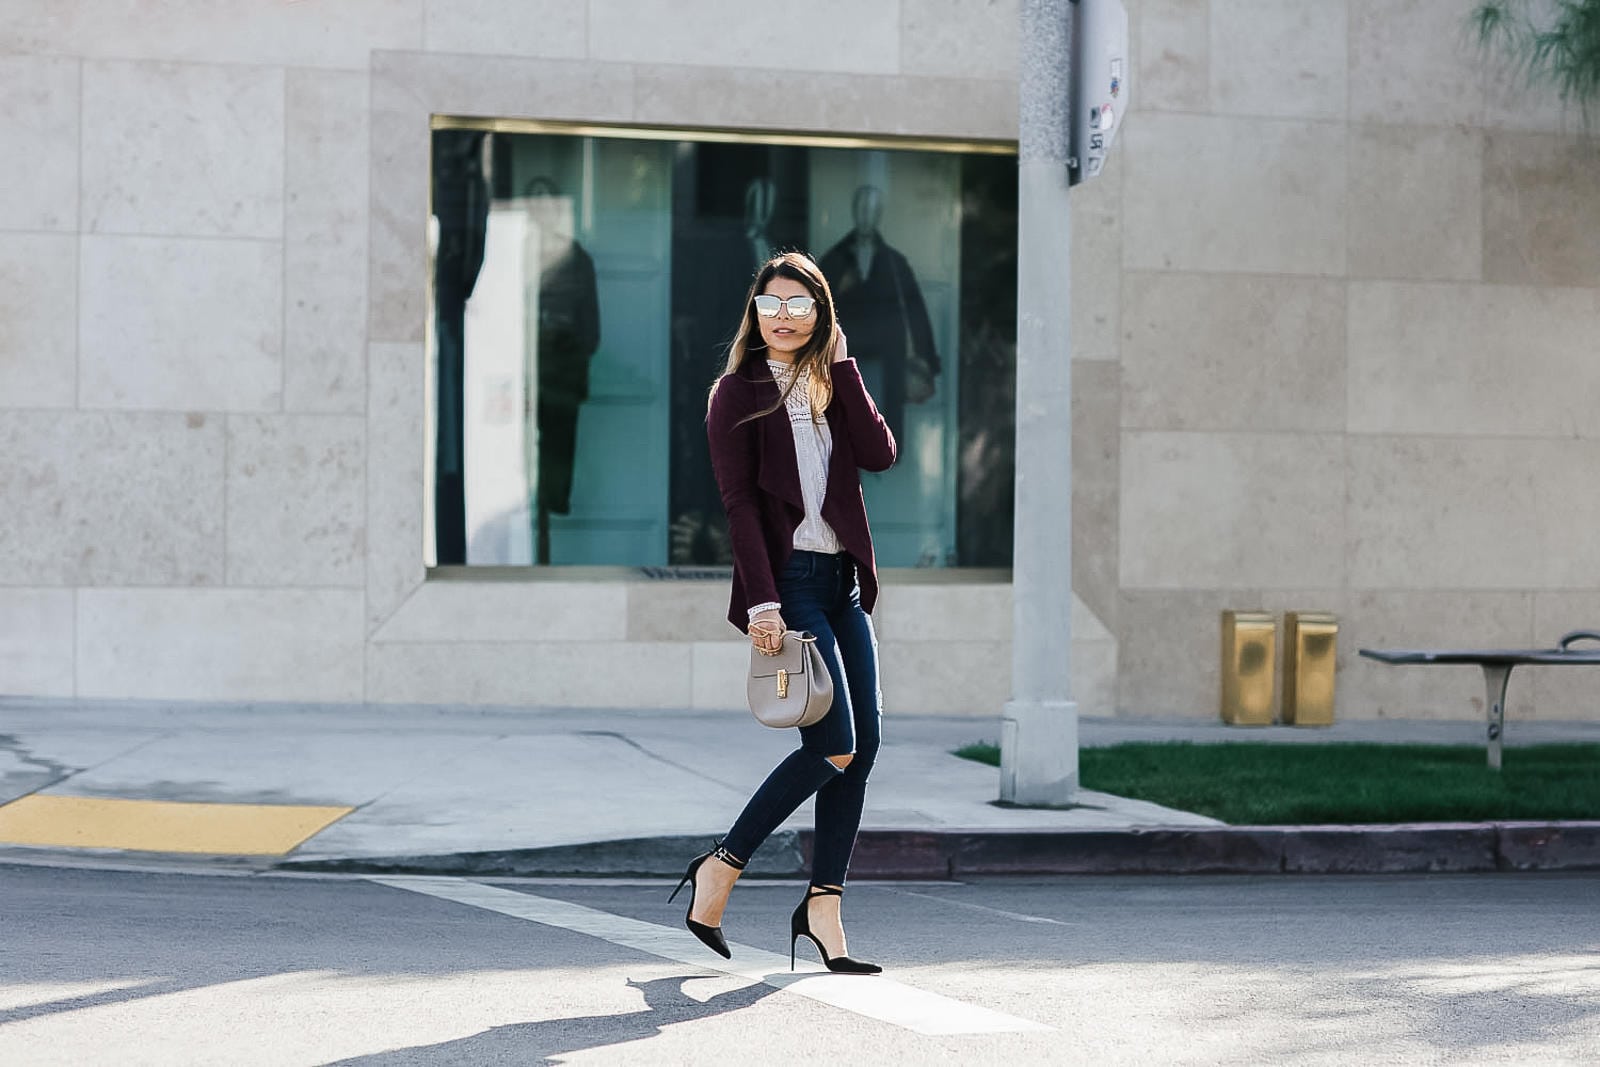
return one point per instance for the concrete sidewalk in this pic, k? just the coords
(564, 791)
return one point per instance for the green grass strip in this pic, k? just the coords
(1259, 783)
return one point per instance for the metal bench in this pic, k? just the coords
(1497, 664)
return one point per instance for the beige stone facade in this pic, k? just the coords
(1336, 328)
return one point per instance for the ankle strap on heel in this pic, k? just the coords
(823, 891)
(720, 853)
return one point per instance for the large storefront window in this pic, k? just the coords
(586, 284)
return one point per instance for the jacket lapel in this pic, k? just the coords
(779, 472)
(780, 469)
(840, 463)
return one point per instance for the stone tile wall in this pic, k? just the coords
(1359, 347)
(1335, 307)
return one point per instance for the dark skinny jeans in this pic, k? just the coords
(820, 593)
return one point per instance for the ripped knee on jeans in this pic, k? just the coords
(843, 761)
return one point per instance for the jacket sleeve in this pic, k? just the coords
(870, 438)
(733, 460)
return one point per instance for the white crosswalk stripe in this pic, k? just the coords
(875, 997)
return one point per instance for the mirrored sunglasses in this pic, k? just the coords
(799, 306)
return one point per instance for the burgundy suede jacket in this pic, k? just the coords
(759, 478)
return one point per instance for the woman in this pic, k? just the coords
(789, 423)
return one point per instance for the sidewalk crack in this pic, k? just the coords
(696, 771)
(361, 806)
(61, 772)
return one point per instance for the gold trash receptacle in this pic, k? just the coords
(1249, 651)
(1310, 645)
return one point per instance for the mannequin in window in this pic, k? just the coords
(880, 304)
(727, 236)
(567, 336)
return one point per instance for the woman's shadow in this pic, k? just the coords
(665, 1003)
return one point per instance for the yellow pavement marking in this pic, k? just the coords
(162, 825)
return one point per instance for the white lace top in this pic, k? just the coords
(813, 450)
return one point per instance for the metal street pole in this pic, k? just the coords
(1039, 728)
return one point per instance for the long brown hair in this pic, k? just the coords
(813, 362)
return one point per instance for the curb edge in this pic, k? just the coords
(954, 854)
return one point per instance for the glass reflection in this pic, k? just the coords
(585, 289)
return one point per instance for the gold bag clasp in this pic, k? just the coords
(783, 684)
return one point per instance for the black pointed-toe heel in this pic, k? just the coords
(800, 926)
(710, 935)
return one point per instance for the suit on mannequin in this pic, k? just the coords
(726, 245)
(882, 308)
(567, 337)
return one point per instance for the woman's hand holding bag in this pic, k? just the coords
(791, 687)
(766, 631)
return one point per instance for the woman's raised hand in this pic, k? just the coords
(841, 351)
(766, 632)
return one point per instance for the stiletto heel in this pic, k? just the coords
(711, 936)
(800, 926)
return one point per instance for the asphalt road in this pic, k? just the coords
(127, 967)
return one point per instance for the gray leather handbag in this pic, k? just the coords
(792, 688)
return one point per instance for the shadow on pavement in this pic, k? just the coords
(665, 1003)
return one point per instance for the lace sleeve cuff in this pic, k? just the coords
(759, 608)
